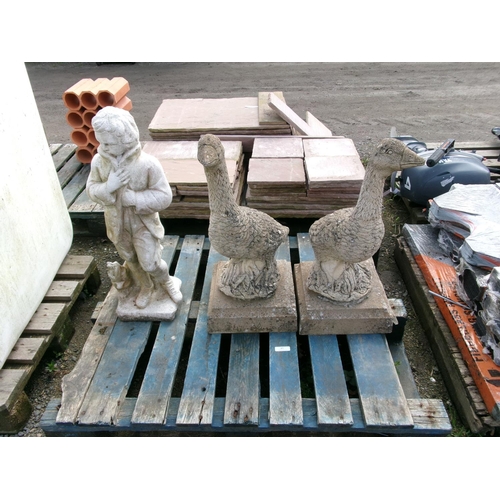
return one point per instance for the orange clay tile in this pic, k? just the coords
(112, 93)
(88, 97)
(71, 97)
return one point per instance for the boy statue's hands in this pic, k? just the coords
(117, 179)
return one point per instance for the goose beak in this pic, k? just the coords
(410, 159)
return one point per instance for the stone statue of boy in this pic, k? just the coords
(132, 188)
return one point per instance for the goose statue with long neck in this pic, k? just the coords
(343, 240)
(248, 237)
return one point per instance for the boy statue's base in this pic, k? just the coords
(274, 314)
(160, 307)
(321, 316)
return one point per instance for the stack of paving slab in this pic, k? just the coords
(187, 179)
(300, 177)
(188, 119)
(83, 100)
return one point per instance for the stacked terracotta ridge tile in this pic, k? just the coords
(83, 100)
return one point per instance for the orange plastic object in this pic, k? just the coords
(71, 97)
(441, 278)
(112, 93)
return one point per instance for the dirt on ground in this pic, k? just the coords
(362, 101)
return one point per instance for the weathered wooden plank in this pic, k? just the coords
(54, 148)
(284, 376)
(330, 386)
(76, 383)
(115, 371)
(76, 185)
(12, 383)
(243, 383)
(66, 173)
(62, 291)
(82, 268)
(289, 115)
(285, 400)
(82, 204)
(403, 369)
(468, 145)
(62, 155)
(27, 350)
(382, 397)
(197, 399)
(76, 267)
(46, 319)
(152, 402)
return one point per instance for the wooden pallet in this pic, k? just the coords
(141, 378)
(49, 326)
(456, 374)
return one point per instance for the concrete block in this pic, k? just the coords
(321, 316)
(276, 314)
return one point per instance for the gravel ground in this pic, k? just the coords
(358, 100)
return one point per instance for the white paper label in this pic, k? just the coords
(282, 348)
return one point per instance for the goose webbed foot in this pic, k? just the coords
(340, 281)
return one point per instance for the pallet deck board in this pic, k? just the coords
(156, 389)
(214, 395)
(381, 395)
(243, 385)
(113, 375)
(198, 394)
(330, 386)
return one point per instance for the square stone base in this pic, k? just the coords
(160, 308)
(275, 314)
(321, 316)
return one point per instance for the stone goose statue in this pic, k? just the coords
(344, 239)
(248, 237)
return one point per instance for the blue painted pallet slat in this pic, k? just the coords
(159, 378)
(382, 397)
(197, 399)
(330, 387)
(285, 399)
(243, 382)
(77, 383)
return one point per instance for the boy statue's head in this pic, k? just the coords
(116, 130)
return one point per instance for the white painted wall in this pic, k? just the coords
(35, 227)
